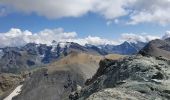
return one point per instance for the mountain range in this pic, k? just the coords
(18, 59)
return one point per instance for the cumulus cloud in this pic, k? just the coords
(110, 9)
(131, 37)
(50, 8)
(136, 11)
(68, 8)
(151, 11)
(17, 37)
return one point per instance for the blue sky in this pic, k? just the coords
(90, 21)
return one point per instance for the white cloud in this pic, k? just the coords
(50, 8)
(99, 41)
(131, 37)
(150, 11)
(136, 11)
(167, 35)
(17, 37)
(110, 9)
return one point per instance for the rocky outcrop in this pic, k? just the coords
(157, 48)
(136, 77)
(118, 94)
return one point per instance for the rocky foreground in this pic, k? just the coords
(132, 78)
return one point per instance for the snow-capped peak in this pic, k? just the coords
(64, 44)
(60, 44)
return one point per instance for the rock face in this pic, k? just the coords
(50, 86)
(118, 94)
(15, 60)
(157, 48)
(133, 78)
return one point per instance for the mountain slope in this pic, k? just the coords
(157, 48)
(15, 60)
(60, 78)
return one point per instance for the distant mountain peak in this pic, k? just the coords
(126, 43)
(64, 44)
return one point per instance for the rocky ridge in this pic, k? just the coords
(134, 78)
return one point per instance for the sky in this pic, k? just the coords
(83, 21)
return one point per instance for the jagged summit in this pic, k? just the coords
(126, 48)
